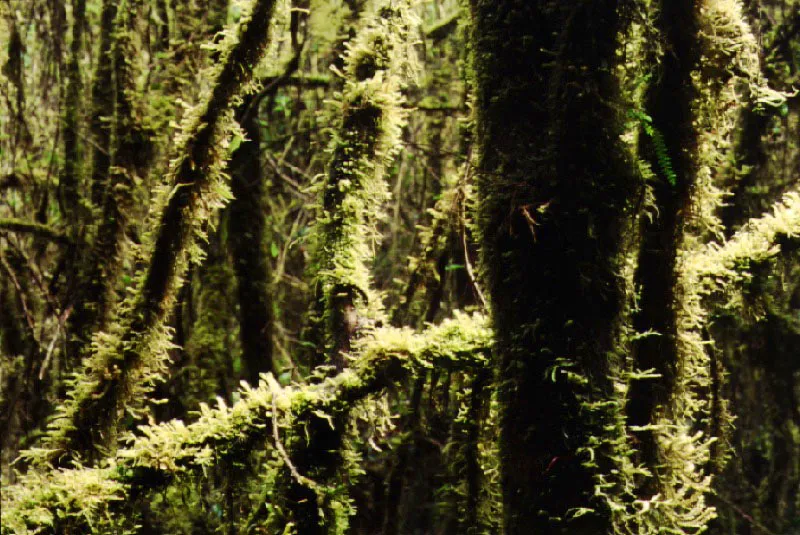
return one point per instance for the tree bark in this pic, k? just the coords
(247, 224)
(557, 189)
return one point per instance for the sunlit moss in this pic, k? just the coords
(52, 502)
(160, 452)
(369, 117)
(127, 359)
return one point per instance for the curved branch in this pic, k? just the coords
(162, 452)
(716, 266)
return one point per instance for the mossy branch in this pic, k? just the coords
(444, 26)
(87, 496)
(376, 66)
(30, 227)
(717, 266)
(131, 356)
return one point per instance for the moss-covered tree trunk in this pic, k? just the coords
(112, 188)
(69, 182)
(556, 190)
(102, 104)
(669, 103)
(375, 66)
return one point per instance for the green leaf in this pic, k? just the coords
(273, 249)
(235, 142)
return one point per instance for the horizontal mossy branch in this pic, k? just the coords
(162, 452)
(128, 358)
(30, 227)
(716, 266)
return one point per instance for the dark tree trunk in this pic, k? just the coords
(247, 226)
(557, 192)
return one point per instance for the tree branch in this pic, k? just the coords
(37, 229)
(128, 358)
(162, 452)
(716, 266)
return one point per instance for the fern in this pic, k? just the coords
(660, 146)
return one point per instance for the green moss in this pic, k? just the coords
(63, 500)
(369, 119)
(159, 453)
(128, 358)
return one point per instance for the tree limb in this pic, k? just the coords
(131, 355)
(37, 229)
(161, 452)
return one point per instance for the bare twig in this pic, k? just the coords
(462, 215)
(276, 389)
(22, 300)
(749, 519)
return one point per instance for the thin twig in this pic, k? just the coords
(463, 223)
(752, 521)
(276, 166)
(275, 388)
(59, 329)
(13, 277)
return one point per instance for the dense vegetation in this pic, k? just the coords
(400, 266)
